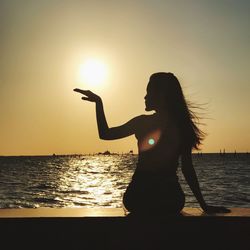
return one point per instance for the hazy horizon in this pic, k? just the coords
(118, 153)
(206, 44)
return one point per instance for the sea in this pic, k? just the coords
(100, 180)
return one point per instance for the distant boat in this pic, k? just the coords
(106, 153)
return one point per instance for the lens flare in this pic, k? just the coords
(150, 140)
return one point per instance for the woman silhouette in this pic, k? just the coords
(163, 137)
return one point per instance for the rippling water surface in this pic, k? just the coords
(100, 180)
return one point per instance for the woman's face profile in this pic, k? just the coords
(153, 99)
(149, 102)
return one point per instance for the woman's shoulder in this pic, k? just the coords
(144, 123)
(143, 119)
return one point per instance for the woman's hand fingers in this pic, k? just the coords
(81, 91)
(87, 99)
(215, 209)
(225, 210)
(90, 96)
(77, 90)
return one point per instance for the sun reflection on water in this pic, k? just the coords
(95, 181)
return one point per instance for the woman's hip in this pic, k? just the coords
(154, 195)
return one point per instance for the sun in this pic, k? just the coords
(92, 72)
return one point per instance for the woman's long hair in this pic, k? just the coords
(179, 109)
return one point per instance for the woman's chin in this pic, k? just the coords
(148, 109)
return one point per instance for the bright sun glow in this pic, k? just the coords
(92, 73)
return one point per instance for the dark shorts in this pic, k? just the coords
(154, 193)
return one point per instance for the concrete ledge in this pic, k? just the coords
(102, 212)
(110, 229)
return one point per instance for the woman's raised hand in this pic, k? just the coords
(216, 209)
(89, 96)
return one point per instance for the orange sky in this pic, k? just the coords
(206, 44)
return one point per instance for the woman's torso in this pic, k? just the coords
(159, 143)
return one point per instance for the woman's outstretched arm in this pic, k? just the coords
(104, 131)
(192, 180)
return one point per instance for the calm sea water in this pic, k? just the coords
(100, 180)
